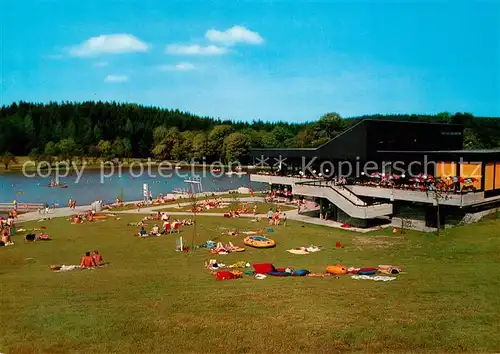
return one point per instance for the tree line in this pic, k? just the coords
(112, 130)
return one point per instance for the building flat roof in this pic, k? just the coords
(412, 122)
(360, 140)
(283, 149)
(474, 151)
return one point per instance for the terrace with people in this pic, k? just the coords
(453, 189)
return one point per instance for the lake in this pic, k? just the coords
(92, 186)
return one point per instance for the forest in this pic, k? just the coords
(111, 130)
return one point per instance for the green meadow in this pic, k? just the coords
(152, 299)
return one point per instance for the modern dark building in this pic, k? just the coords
(423, 164)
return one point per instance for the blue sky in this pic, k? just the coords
(273, 60)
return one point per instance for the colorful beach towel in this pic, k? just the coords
(376, 278)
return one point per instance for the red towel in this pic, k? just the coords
(367, 269)
(263, 268)
(225, 276)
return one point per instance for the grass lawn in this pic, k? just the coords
(262, 208)
(151, 299)
(131, 206)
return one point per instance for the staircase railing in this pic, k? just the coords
(329, 185)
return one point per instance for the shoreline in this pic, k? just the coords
(178, 197)
(185, 197)
(18, 167)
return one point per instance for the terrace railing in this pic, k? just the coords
(21, 206)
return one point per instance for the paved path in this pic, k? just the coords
(291, 214)
(53, 213)
(64, 212)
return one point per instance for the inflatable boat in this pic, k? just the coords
(259, 242)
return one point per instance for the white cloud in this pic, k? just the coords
(109, 44)
(116, 78)
(185, 66)
(195, 49)
(233, 35)
(101, 64)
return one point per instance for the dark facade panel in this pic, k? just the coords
(437, 156)
(349, 145)
(364, 140)
(413, 136)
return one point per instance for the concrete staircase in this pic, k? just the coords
(347, 201)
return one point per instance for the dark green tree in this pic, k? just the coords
(237, 145)
(97, 133)
(35, 155)
(51, 149)
(67, 149)
(30, 132)
(7, 159)
(200, 146)
(216, 139)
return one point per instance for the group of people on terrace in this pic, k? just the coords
(421, 182)
(279, 195)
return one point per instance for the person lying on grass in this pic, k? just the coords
(87, 261)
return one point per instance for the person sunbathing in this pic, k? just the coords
(97, 258)
(87, 261)
(219, 248)
(6, 235)
(234, 248)
(43, 237)
(155, 230)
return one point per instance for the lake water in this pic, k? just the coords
(92, 186)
